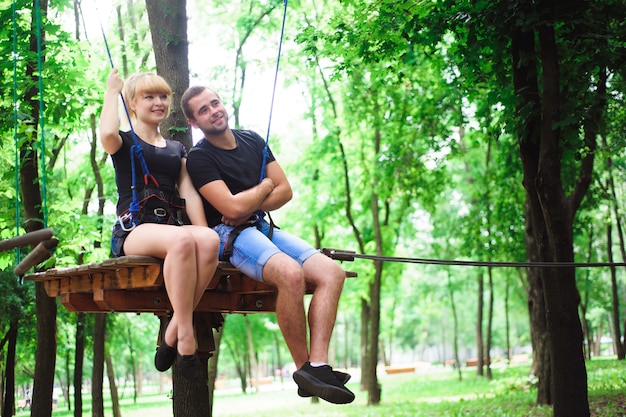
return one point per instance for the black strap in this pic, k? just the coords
(230, 242)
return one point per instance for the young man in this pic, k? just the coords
(225, 166)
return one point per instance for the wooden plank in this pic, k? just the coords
(135, 284)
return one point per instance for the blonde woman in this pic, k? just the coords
(189, 252)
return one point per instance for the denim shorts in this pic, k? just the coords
(252, 248)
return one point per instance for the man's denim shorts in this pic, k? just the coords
(252, 248)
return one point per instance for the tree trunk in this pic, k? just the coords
(97, 378)
(212, 371)
(115, 401)
(45, 307)
(540, 341)
(191, 397)
(8, 400)
(365, 363)
(489, 324)
(479, 324)
(455, 328)
(617, 343)
(552, 213)
(78, 364)
(255, 373)
(617, 335)
(507, 325)
(168, 27)
(133, 364)
(373, 386)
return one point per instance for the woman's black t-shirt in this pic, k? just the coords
(163, 163)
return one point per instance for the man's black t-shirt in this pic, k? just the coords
(239, 168)
(163, 163)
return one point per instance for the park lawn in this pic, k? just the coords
(435, 392)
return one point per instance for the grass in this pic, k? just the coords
(436, 392)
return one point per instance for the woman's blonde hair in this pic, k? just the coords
(145, 82)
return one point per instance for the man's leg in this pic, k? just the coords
(286, 275)
(328, 278)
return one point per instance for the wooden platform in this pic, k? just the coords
(135, 284)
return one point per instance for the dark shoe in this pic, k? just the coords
(341, 376)
(164, 357)
(189, 366)
(322, 382)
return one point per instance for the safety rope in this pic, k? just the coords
(269, 122)
(18, 254)
(42, 136)
(343, 255)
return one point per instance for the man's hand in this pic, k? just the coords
(235, 222)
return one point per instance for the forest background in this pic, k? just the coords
(487, 132)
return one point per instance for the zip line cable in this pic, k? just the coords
(343, 255)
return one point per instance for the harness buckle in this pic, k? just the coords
(160, 212)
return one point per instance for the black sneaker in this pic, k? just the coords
(164, 357)
(322, 382)
(189, 365)
(341, 376)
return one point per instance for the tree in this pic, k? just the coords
(35, 216)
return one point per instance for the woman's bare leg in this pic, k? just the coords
(207, 246)
(176, 246)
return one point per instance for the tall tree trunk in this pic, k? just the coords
(255, 373)
(78, 364)
(617, 342)
(133, 364)
(97, 378)
(8, 399)
(213, 361)
(185, 402)
(620, 348)
(373, 386)
(365, 329)
(489, 324)
(551, 211)
(168, 27)
(115, 400)
(455, 328)
(507, 324)
(480, 347)
(45, 307)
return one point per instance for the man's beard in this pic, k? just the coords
(214, 131)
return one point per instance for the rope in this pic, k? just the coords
(350, 256)
(269, 122)
(44, 191)
(15, 128)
